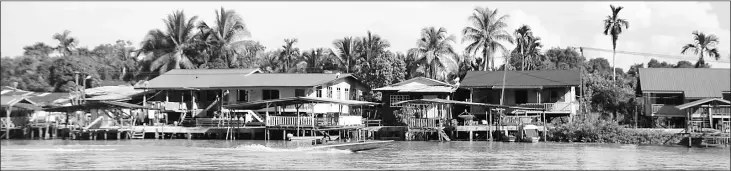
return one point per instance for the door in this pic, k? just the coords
(521, 96)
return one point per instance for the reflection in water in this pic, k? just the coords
(217, 154)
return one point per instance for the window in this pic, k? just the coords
(318, 92)
(521, 97)
(270, 94)
(337, 93)
(329, 92)
(398, 98)
(242, 95)
(554, 96)
(347, 94)
(299, 92)
(727, 96)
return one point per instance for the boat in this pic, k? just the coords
(507, 137)
(352, 146)
(529, 133)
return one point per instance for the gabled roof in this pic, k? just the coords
(703, 101)
(283, 80)
(113, 93)
(195, 78)
(232, 78)
(96, 105)
(419, 84)
(693, 82)
(17, 101)
(518, 79)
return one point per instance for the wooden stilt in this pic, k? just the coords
(32, 134)
(105, 134)
(119, 135)
(471, 135)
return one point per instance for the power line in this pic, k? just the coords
(650, 54)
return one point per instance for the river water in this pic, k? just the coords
(245, 154)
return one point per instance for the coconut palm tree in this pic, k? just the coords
(613, 26)
(227, 32)
(315, 59)
(370, 47)
(66, 43)
(527, 46)
(289, 54)
(703, 44)
(486, 34)
(173, 48)
(433, 50)
(346, 48)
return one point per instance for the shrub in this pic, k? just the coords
(591, 128)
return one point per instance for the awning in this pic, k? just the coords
(96, 105)
(703, 101)
(295, 100)
(444, 101)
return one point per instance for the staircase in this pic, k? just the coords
(443, 135)
(257, 116)
(138, 135)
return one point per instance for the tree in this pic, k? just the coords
(66, 43)
(346, 48)
(370, 46)
(225, 35)
(703, 45)
(316, 59)
(684, 64)
(38, 50)
(527, 47)
(289, 54)
(488, 29)
(433, 50)
(613, 26)
(654, 63)
(563, 59)
(174, 48)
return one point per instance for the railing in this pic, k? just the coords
(552, 107)
(421, 123)
(289, 121)
(721, 111)
(547, 106)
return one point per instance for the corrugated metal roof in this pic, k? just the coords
(702, 101)
(693, 82)
(522, 78)
(281, 80)
(419, 84)
(445, 101)
(195, 78)
(12, 100)
(229, 78)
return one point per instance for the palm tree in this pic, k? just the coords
(227, 32)
(171, 49)
(613, 26)
(346, 51)
(433, 49)
(370, 47)
(289, 54)
(703, 44)
(66, 43)
(486, 34)
(315, 59)
(527, 46)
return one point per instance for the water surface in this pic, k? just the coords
(245, 154)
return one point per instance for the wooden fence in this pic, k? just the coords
(422, 123)
(290, 121)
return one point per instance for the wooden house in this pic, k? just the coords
(674, 92)
(412, 89)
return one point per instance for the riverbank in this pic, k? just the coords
(597, 130)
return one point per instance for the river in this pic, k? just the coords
(244, 154)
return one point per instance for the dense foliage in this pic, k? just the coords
(595, 129)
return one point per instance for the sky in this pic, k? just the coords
(655, 27)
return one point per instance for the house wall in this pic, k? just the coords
(387, 111)
(492, 96)
(255, 94)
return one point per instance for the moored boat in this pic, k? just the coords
(529, 133)
(353, 146)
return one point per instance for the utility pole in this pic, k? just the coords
(76, 76)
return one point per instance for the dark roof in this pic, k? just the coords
(535, 78)
(296, 100)
(693, 82)
(702, 101)
(96, 105)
